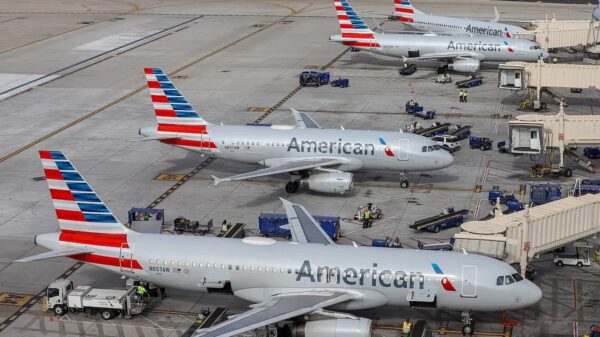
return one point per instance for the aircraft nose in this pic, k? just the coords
(446, 159)
(531, 293)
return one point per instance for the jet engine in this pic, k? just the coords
(465, 66)
(332, 182)
(334, 327)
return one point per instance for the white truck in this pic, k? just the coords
(580, 258)
(61, 297)
(448, 142)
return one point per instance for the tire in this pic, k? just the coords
(467, 330)
(59, 310)
(579, 264)
(106, 314)
(493, 202)
(404, 184)
(559, 263)
(291, 187)
(568, 173)
(436, 229)
(287, 237)
(482, 148)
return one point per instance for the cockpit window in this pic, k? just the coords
(508, 280)
(437, 147)
(534, 47)
(517, 277)
(424, 149)
(430, 148)
(500, 280)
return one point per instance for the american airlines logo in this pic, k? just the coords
(338, 147)
(351, 276)
(478, 46)
(484, 30)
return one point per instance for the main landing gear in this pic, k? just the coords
(292, 186)
(467, 320)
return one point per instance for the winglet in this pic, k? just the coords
(216, 180)
(496, 15)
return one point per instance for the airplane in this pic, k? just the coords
(414, 18)
(308, 276)
(461, 53)
(315, 157)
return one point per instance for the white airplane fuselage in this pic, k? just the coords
(275, 145)
(257, 268)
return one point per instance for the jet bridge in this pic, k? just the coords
(534, 134)
(521, 236)
(552, 33)
(539, 75)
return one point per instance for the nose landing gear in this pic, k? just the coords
(467, 320)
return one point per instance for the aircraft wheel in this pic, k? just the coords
(291, 187)
(467, 330)
(404, 184)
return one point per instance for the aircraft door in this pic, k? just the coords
(126, 257)
(469, 281)
(403, 146)
(535, 140)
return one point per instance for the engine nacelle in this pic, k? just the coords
(334, 182)
(465, 66)
(334, 328)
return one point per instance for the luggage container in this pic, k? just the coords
(542, 193)
(269, 224)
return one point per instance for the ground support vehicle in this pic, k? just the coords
(448, 219)
(425, 114)
(61, 297)
(184, 225)
(481, 143)
(341, 83)
(461, 132)
(443, 78)
(540, 194)
(470, 82)
(445, 246)
(376, 212)
(407, 69)
(270, 224)
(580, 258)
(504, 197)
(592, 152)
(555, 170)
(314, 78)
(447, 142)
(435, 129)
(412, 108)
(387, 242)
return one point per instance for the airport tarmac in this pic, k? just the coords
(71, 79)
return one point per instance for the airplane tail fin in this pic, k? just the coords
(496, 15)
(173, 112)
(82, 216)
(405, 11)
(355, 32)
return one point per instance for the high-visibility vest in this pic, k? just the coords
(141, 290)
(367, 215)
(406, 327)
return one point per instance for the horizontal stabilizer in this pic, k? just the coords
(153, 138)
(52, 254)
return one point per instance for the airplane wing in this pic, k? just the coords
(297, 165)
(303, 226)
(52, 254)
(304, 121)
(277, 308)
(445, 56)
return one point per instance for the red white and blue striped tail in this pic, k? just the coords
(355, 32)
(405, 11)
(173, 112)
(82, 216)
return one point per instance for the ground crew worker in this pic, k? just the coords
(465, 96)
(554, 60)
(367, 218)
(396, 243)
(141, 291)
(224, 226)
(406, 327)
(460, 96)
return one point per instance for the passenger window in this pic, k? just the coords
(208, 265)
(151, 261)
(517, 277)
(289, 270)
(424, 149)
(500, 280)
(508, 280)
(230, 267)
(267, 269)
